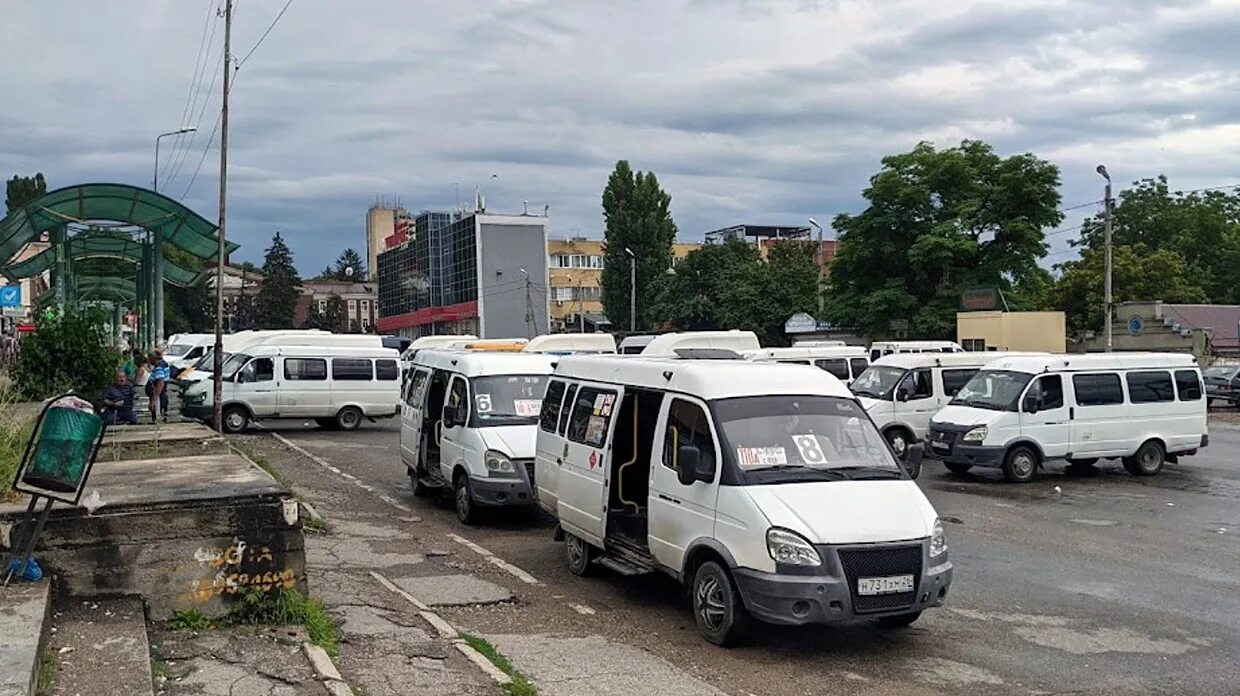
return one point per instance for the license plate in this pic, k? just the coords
(939, 445)
(891, 584)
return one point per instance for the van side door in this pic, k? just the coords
(1044, 416)
(681, 513)
(587, 457)
(257, 387)
(921, 404)
(304, 391)
(412, 412)
(454, 444)
(549, 449)
(1100, 421)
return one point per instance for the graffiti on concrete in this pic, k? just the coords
(239, 567)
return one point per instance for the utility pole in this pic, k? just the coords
(529, 306)
(632, 290)
(217, 377)
(818, 260)
(581, 309)
(1106, 292)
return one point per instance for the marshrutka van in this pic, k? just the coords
(669, 343)
(468, 425)
(845, 362)
(880, 348)
(765, 489)
(1020, 411)
(337, 387)
(902, 392)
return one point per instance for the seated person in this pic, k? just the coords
(118, 402)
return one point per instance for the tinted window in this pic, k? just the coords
(569, 396)
(259, 370)
(793, 362)
(352, 368)
(1048, 391)
(591, 415)
(687, 424)
(1097, 390)
(858, 365)
(301, 369)
(919, 383)
(386, 369)
(1188, 385)
(550, 415)
(836, 366)
(875, 355)
(1149, 387)
(953, 380)
(417, 388)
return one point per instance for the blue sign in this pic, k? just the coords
(10, 296)
(1136, 326)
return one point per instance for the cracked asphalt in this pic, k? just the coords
(1103, 584)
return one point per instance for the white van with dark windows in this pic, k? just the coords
(845, 362)
(765, 489)
(468, 426)
(337, 387)
(880, 348)
(1020, 411)
(903, 391)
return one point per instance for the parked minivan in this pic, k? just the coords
(337, 387)
(765, 489)
(845, 362)
(880, 348)
(183, 350)
(468, 425)
(572, 343)
(1018, 412)
(238, 342)
(632, 345)
(902, 392)
(668, 343)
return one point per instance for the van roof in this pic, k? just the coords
(1091, 361)
(803, 351)
(910, 361)
(666, 344)
(482, 363)
(915, 344)
(440, 340)
(707, 379)
(298, 350)
(572, 342)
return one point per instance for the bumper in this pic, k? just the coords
(497, 492)
(198, 411)
(974, 455)
(794, 600)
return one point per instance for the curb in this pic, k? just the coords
(483, 663)
(326, 670)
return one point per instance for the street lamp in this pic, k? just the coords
(155, 179)
(818, 260)
(632, 290)
(1106, 292)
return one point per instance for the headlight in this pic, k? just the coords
(975, 435)
(938, 541)
(790, 548)
(498, 463)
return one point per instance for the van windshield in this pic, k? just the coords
(789, 439)
(878, 381)
(508, 399)
(176, 350)
(234, 363)
(996, 390)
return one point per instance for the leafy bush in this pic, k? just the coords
(15, 427)
(288, 608)
(71, 350)
(189, 620)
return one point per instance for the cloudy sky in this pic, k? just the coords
(762, 111)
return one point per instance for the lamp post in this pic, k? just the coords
(632, 290)
(155, 178)
(818, 261)
(1106, 291)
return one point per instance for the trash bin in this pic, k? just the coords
(68, 434)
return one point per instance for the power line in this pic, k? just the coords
(202, 159)
(195, 80)
(181, 146)
(265, 33)
(215, 74)
(1082, 205)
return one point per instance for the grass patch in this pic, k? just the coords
(315, 524)
(159, 674)
(46, 674)
(520, 685)
(262, 462)
(285, 608)
(15, 429)
(189, 620)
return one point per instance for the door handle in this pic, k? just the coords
(669, 499)
(559, 462)
(1071, 413)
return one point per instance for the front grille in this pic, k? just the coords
(878, 562)
(941, 440)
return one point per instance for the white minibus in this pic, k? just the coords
(337, 387)
(880, 348)
(845, 362)
(667, 344)
(765, 489)
(903, 391)
(1019, 412)
(183, 350)
(468, 426)
(632, 345)
(572, 343)
(236, 342)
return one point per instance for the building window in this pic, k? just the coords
(559, 260)
(589, 293)
(352, 308)
(322, 306)
(596, 262)
(563, 294)
(365, 308)
(581, 261)
(974, 344)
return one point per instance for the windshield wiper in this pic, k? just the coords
(870, 472)
(800, 468)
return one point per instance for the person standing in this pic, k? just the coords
(118, 402)
(161, 372)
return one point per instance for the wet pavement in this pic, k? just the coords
(1107, 584)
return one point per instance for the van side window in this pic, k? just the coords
(417, 387)
(1098, 389)
(858, 365)
(953, 380)
(1188, 384)
(550, 415)
(458, 393)
(922, 385)
(687, 424)
(567, 410)
(352, 369)
(836, 366)
(386, 369)
(259, 370)
(1049, 391)
(305, 369)
(793, 362)
(591, 415)
(875, 354)
(1150, 387)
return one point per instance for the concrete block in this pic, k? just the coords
(321, 662)
(101, 647)
(23, 615)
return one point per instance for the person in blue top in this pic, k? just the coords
(157, 386)
(118, 402)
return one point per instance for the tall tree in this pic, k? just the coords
(20, 190)
(349, 259)
(277, 299)
(939, 221)
(1138, 273)
(334, 317)
(637, 216)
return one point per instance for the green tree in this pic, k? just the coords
(315, 319)
(637, 217)
(939, 221)
(1137, 274)
(349, 259)
(334, 317)
(67, 351)
(277, 299)
(20, 190)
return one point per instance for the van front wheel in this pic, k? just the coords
(1021, 464)
(1148, 460)
(235, 419)
(717, 606)
(463, 497)
(578, 554)
(349, 418)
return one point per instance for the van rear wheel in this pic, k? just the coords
(1148, 460)
(349, 418)
(717, 606)
(1021, 464)
(578, 554)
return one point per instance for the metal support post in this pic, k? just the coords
(157, 282)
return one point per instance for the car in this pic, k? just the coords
(1223, 384)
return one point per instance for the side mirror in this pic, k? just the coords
(1031, 404)
(690, 466)
(913, 455)
(240, 377)
(903, 394)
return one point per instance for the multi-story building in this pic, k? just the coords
(361, 304)
(381, 221)
(466, 273)
(576, 275)
(766, 236)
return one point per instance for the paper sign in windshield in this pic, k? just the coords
(527, 407)
(761, 456)
(811, 453)
(483, 402)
